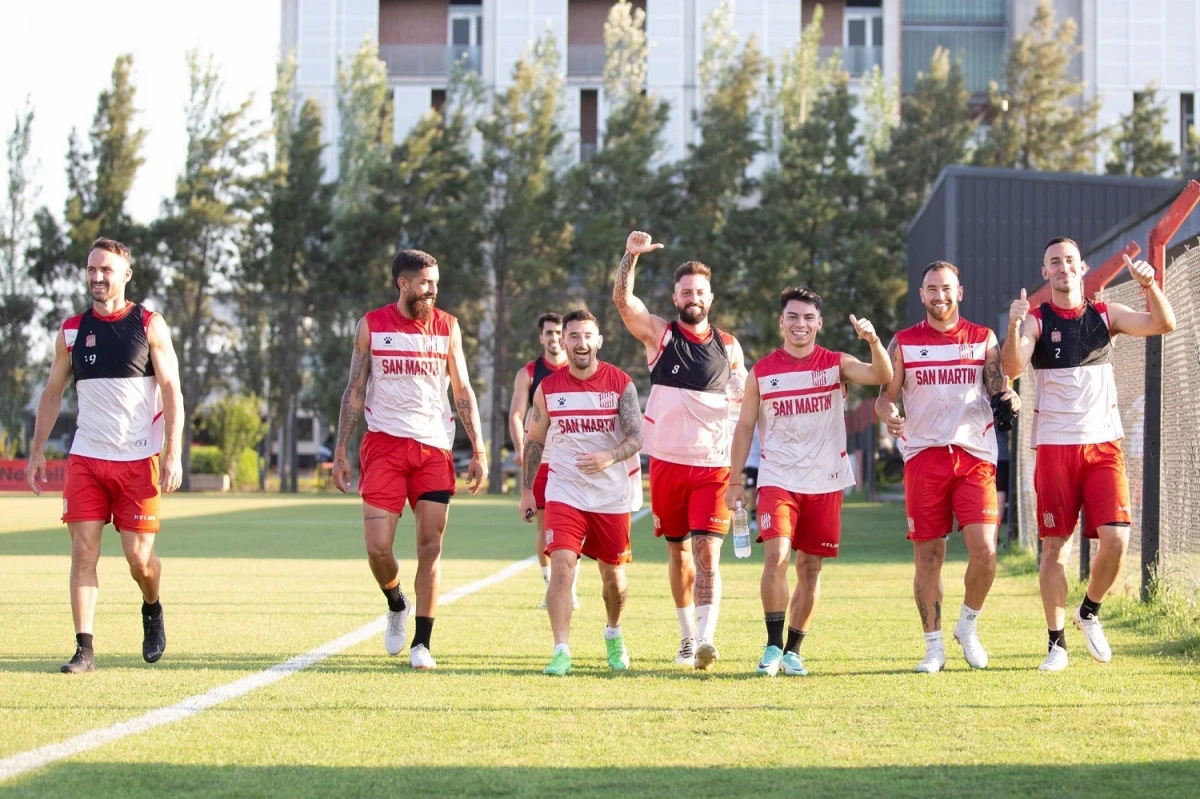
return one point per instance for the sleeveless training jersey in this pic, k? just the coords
(687, 413)
(802, 422)
(1075, 394)
(120, 414)
(408, 391)
(538, 370)
(583, 419)
(945, 401)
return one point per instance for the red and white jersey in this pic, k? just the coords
(687, 413)
(408, 391)
(945, 401)
(120, 413)
(801, 422)
(1075, 393)
(583, 419)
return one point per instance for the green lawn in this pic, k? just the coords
(250, 582)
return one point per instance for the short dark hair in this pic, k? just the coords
(111, 245)
(408, 262)
(549, 316)
(1061, 240)
(693, 268)
(799, 294)
(579, 315)
(936, 265)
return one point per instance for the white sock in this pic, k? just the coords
(546, 574)
(933, 642)
(687, 621)
(706, 621)
(566, 650)
(575, 582)
(967, 618)
(612, 632)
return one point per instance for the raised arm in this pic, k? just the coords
(47, 413)
(889, 393)
(1021, 338)
(518, 409)
(645, 326)
(879, 371)
(166, 372)
(743, 436)
(629, 418)
(352, 404)
(535, 442)
(1157, 319)
(468, 412)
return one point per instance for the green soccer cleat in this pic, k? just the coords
(793, 666)
(771, 660)
(618, 655)
(560, 665)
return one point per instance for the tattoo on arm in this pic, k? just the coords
(629, 416)
(531, 461)
(993, 377)
(466, 412)
(624, 285)
(354, 396)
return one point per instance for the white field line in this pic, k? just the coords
(44, 755)
(637, 517)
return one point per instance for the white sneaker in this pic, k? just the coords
(1093, 637)
(1056, 659)
(973, 651)
(394, 634)
(421, 659)
(935, 661)
(574, 602)
(686, 656)
(706, 655)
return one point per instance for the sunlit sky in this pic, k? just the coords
(60, 53)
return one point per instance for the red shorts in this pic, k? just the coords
(123, 492)
(600, 536)
(539, 486)
(1070, 477)
(812, 521)
(398, 469)
(943, 481)
(688, 499)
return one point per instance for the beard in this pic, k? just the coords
(582, 360)
(941, 315)
(421, 311)
(692, 314)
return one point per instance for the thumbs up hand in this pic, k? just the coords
(1018, 310)
(1141, 271)
(864, 329)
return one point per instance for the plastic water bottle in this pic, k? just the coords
(735, 391)
(741, 532)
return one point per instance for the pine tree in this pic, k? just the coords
(881, 106)
(1040, 119)
(1139, 148)
(1190, 157)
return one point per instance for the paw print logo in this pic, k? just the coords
(562, 401)
(387, 340)
(774, 382)
(924, 353)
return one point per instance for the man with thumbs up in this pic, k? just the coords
(1077, 430)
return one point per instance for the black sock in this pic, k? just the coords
(1089, 609)
(795, 638)
(1058, 637)
(424, 630)
(152, 611)
(84, 641)
(775, 628)
(395, 599)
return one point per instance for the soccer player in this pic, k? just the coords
(795, 396)
(595, 480)
(406, 357)
(1077, 430)
(126, 449)
(529, 377)
(687, 435)
(948, 371)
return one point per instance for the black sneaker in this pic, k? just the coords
(154, 638)
(83, 662)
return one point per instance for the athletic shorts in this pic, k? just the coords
(600, 536)
(123, 492)
(946, 483)
(398, 469)
(539, 486)
(688, 499)
(812, 521)
(1071, 477)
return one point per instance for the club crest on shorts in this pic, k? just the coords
(657, 522)
(90, 341)
(549, 536)
(764, 521)
(1056, 336)
(608, 400)
(1048, 520)
(912, 525)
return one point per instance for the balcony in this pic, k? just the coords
(585, 61)
(427, 60)
(856, 60)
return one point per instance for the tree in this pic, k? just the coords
(527, 237)
(802, 75)
(1139, 148)
(17, 298)
(1040, 119)
(881, 104)
(1190, 157)
(198, 232)
(234, 425)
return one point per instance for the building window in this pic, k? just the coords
(437, 99)
(862, 37)
(589, 123)
(1187, 121)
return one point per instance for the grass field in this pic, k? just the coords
(250, 582)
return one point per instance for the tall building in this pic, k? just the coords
(420, 39)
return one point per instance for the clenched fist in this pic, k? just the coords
(1018, 310)
(894, 421)
(638, 243)
(864, 329)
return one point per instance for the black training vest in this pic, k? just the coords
(1070, 343)
(112, 349)
(540, 372)
(688, 365)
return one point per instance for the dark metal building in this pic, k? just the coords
(994, 223)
